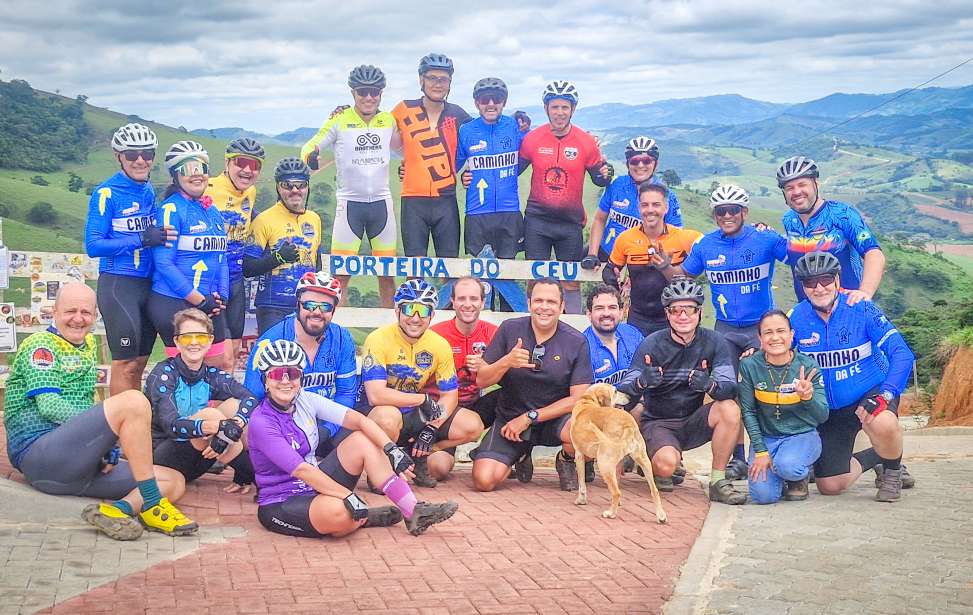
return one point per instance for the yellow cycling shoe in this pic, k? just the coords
(112, 521)
(166, 518)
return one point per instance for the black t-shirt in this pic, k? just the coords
(565, 363)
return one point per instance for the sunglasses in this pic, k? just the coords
(818, 280)
(192, 168)
(438, 80)
(293, 374)
(645, 161)
(247, 163)
(491, 99)
(368, 92)
(132, 155)
(292, 185)
(537, 356)
(692, 310)
(416, 309)
(727, 210)
(324, 306)
(188, 339)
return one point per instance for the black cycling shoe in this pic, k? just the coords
(524, 468)
(567, 472)
(665, 484)
(679, 474)
(426, 515)
(589, 471)
(737, 469)
(423, 479)
(216, 468)
(382, 516)
(628, 464)
(907, 481)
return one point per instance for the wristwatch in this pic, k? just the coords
(534, 416)
(888, 396)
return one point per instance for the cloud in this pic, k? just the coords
(273, 66)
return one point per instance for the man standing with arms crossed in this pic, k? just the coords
(362, 138)
(560, 154)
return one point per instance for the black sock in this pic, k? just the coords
(868, 459)
(892, 464)
(739, 453)
(242, 469)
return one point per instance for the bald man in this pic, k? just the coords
(65, 444)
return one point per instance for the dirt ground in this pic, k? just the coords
(953, 404)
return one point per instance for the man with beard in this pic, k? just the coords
(611, 343)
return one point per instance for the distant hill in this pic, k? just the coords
(919, 102)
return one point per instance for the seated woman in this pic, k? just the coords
(299, 496)
(783, 401)
(187, 434)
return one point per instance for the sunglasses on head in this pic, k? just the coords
(644, 161)
(692, 310)
(247, 163)
(293, 184)
(491, 99)
(368, 92)
(188, 339)
(293, 374)
(537, 356)
(324, 306)
(132, 155)
(727, 210)
(191, 168)
(818, 280)
(416, 309)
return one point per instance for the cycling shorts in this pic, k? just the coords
(412, 424)
(739, 339)
(423, 216)
(161, 310)
(267, 317)
(354, 220)
(646, 326)
(182, 456)
(495, 446)
(682, 434)
(292, 517)
(485, 407)
(67, 460)
(838, 435)
(122, 302)
(236, 310)
(542, 234)
(502, 230)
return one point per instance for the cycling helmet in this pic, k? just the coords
(796, 167)
(729, 195)
(320, 282)
(366, 75)
(435, 61)
(682, 289)
(642, 145)
(416, 291)
(561, 89)
(292, 168)
(245, 146)
(133, 136)
(816, 263)
(182, 151)
(278, 353)
(489, 84)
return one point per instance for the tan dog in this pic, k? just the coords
(606, 434)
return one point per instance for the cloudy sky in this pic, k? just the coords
(275, 65)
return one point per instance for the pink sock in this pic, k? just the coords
(401, 495)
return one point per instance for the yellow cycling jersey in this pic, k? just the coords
(237, 209)
(405, 366)
(270, 230)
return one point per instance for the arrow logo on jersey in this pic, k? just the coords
(482, 186)
(721, 299)
(199, 268)
(611, 235)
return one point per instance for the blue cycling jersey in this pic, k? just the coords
(621, 202)
(837, 228)
(491, 153)
(333, 373)
(740, 270)
(605, 365)
(849, 349)
(197, 259)
(119, 210)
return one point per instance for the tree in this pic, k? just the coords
(671, 178)
(75, 183)
(42, 213)
(713, 186)
(764, 191)
(39, 180)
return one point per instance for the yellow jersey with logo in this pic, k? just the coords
(405, 366)
(237, 210)
(270, 230)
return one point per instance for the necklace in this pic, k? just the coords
(777, 383)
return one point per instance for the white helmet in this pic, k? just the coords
(133, 136)
(278, 353)
(729, 195)
(561, 89)
(182, 151)
(416, 291)
(796, 167)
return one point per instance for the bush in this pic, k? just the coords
(42, 213)
(39, 132)
(38, 180)
(75, 183)
(7, 211)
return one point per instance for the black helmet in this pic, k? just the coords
(245, 146)
(292, 168)
(796, 167)
(682, 289)
(435, 61)
(489, 84)
(366, 75)
(642, 145)
(817, 263)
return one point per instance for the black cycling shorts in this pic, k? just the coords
(292, 517)
(236, 311)
(838, 435)
(267, 317)
(162, 309)
(182, 456)
(739, 339)
(683, 434)
(412, 424)
(122, 303)
(495, 446)
(423, 216)
(503, 231)
(542, 234)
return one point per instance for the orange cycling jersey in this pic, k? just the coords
(429, 153)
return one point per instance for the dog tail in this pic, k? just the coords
(628, 435)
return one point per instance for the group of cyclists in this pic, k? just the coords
(308, 421)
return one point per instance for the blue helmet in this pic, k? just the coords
(435, 61)
(416, 291)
